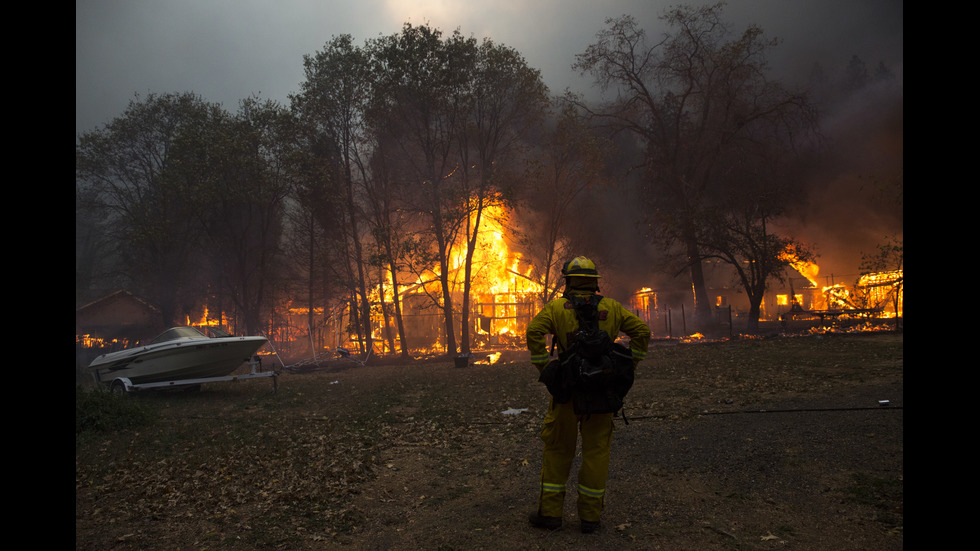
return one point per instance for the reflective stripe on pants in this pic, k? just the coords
(560, 436)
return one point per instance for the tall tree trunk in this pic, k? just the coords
(471, 244)
(363, 305)
(702, 304)
(397, 303)
(311, 270)
(447, 295)
(755, 311)
(384, 308)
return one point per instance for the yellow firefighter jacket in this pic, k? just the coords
(558, 318)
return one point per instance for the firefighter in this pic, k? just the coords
(561, 425)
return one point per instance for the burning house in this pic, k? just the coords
(117, 319)
(504, 296)
(505, 293)
(800, 297)
(111, 323)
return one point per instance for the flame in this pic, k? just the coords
(837, 296)
(492, 358)
(880, 279)
(502, 291)
(885, 290)
(206, 320)
(879, 290)
(503, 287)
(809, 270)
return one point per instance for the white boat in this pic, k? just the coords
(176, 354)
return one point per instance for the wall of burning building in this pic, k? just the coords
(800, 296)
(497, 320)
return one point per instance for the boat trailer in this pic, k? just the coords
(122, 385)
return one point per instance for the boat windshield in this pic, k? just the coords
(216, 332)
(177, 333)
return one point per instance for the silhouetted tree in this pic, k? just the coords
(695, 97)
(146, 170)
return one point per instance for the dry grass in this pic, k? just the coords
(422, 457)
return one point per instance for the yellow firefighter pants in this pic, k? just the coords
(560, 435)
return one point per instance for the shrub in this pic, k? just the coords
(101, 411)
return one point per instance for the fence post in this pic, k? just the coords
(731, 330)
(683, 320)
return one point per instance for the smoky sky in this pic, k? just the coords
(229, 50)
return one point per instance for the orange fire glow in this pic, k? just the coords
(809, 270)
(205, 320)
(503, 287)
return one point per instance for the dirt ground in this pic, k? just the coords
(789, 443)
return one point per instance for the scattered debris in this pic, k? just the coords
(770, 537)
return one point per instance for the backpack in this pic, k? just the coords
(593, 371)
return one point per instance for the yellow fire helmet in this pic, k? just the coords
(580, 267)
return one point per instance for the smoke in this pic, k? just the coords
(851, 191)
(850, 201)
(854, 192)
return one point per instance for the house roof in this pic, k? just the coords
(118, 314)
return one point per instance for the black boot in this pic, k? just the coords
(588, 527)
(541, 521)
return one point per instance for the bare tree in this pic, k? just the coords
(568, 161)
(739, 232)
(691, 96)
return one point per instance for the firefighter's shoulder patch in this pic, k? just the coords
(603, 314)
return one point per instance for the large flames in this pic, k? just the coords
(503, 291)
(878, 293)
(881, 291)
(807, 269)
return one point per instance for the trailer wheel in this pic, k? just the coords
(118, 387)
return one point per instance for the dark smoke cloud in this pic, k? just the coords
(854, 194)
(229, 50)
